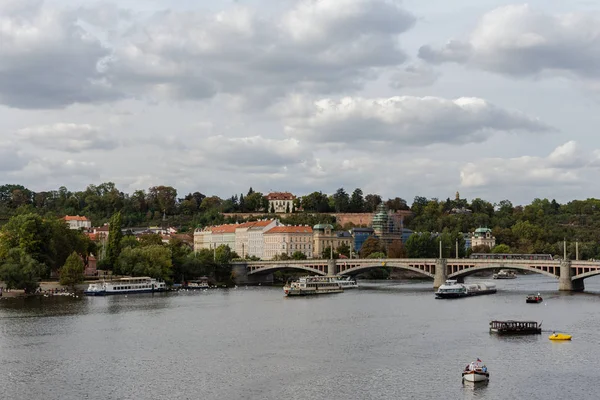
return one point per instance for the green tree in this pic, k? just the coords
(377, 254)
(129, 241)
(72, 272)
(371, 202)
(327, 253)
(501, 248)
(152, 260)
(371, 245)
(357, 202)
(341, 201)
(150, 239)
(298, 255)
(343, 249)
(18, 270)
(114, 240)
(422, 245)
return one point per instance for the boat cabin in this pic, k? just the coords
(515, 327)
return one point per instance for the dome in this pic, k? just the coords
(322, 227)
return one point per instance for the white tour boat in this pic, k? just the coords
(476, 372)
(505, 274)
(138, 284)
(347, 282)
(310, 285)
(451, 289)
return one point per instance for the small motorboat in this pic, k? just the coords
(534, 298)
(559, 336)
(476, 371)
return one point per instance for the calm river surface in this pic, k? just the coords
(386, 340)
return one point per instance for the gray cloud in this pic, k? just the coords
(413, 75)
(521, 41)
(67, 137)
(11, 159)
(568, 164)
(397, 122)
(323, 46)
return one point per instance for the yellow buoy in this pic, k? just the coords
(559, 336)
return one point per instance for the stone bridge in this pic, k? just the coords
(570, 274)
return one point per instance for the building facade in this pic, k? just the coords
(324, 237)
(483, 237)
(281, 202)
(288, 240)
(256, 240)
(77, 222)
(359, 236)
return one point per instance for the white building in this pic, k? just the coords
(223, 234)
(281, 202)
(483, 237)
(203, 239)
(77, 222)
(256, 240)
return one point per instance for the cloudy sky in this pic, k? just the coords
(490, 98)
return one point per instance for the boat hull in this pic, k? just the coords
(476, 376)
(559, 336)
(467, 294)
(310, 292)
(116, 292)
(534, 301)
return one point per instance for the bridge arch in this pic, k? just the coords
(589, 274)
(281, 267)
(473, 269)
(363, 268)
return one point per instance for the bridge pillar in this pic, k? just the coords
(565, 281)
(441, 272)
(331, 267)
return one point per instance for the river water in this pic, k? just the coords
(386, 340)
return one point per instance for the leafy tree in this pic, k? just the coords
(224, 255)
(371, 245)
(316, 202)
(396, 204)
(343, 249)
(341, 201)
(72, 272)
(298, 255)
(272, 208)
(357, 202)
(327, 253)
(422, 245)
(377, 254)
(152, 260)
(18, 270)
(371, 202)
(481, 248)
(150, 239)
(114, 239)
(129, 241)
(501, 248)
(287, 208)
(396, 249)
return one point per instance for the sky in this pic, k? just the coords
(491, 99)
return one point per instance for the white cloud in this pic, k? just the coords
(566, 165)
(317, 46)
(67, 137)
(48, 60)
(519, 40)
(396, 122)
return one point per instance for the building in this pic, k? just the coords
(324, 237)
(406, 233)
(256, 240)
(77, 222)
(223, 235)
(483, 237)
(281, 202)
(203, 239)
(288, 240)
(359, 236)
(242, 236)
(386, 228)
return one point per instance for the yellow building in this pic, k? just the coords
(483, 237)
(324, 237)
(288, 240)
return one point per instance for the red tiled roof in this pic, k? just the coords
(74, 218)
(290, 229)
(280, 196)
(224, 229)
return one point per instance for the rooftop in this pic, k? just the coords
(75, 218)
(290, 229)
(280, 196)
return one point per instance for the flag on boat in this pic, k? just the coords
(478, 360)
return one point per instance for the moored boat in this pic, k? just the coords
(476, 371)
(197, 285)
(534, 298)
(313, 285)
(347, 282)
(559, 336)
(139, 284)
(505, 274)
(511, 327)
(451, 289)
